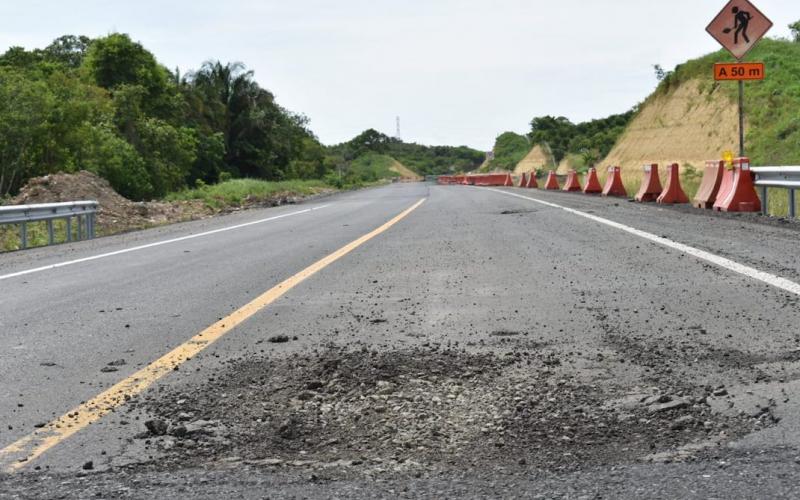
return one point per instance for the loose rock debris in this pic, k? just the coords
(403, 410)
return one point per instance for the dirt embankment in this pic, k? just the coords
(688, 125)
(406, 174)
(536, 159)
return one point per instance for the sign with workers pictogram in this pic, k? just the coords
(739, 27)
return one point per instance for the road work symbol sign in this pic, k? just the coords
(739, 27)
(739, 71)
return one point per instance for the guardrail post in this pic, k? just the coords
(50, 232)
(23, 235)
(765, 200)
(69, 229)
(80, 227)
(91, 225)
(792, 204)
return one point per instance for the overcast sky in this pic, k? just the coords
(455, 71)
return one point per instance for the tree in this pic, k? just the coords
(24, 112)
(261, 138)
(555, 132)
(369, 141)
(115, 61)
(68, 50)
(795, 27)
(509, 149)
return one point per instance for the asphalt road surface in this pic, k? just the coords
(411, 340)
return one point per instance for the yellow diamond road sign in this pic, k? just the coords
(739, 27)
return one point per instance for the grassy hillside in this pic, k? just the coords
(772, 106)
(691, 118)
(435, 160)
(421, 159)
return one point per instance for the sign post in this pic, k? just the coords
(738, 27)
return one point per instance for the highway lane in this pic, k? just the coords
(467, 264)
(61, 327)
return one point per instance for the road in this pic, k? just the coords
(409, 340)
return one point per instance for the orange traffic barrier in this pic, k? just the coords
(552, 181)
(592, 183)
(742, 196)
(614, 185)
(673, 192)
(725, 186)
(509, 181)
(709, 188)
(651, 184)
(491, 179)
(572, 183)
(523, 182)
(532, 184)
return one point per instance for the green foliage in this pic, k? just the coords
(106, 105)
(591, 140)
(369, 141)
(436, 160)
(368, 168)
(67, 50)
(795, 28)
(116, 61)
(261, 139)
(424, 160)
(168, 153)
(509, 149)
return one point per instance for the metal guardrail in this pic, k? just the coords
(83, 212)
(778, 177)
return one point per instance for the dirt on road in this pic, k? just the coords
(354, 412)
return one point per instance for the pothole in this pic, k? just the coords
(395, 408)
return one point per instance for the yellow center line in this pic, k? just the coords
(30, 447)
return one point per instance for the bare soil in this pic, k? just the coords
(689, 125)
(536, 159)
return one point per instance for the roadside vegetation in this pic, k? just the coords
(107, 106)
(771, 105)
(240, 192)
(585, 143)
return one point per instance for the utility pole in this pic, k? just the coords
(397, 132)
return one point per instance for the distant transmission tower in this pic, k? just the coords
(397, 133)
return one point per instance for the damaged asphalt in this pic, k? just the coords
(483, 346)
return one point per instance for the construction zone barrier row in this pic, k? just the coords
(478, 180)
(722, 189)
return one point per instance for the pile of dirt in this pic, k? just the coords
(116, 213)
(408, 410)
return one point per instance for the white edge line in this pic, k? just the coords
(750, 272)
(158, 243)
